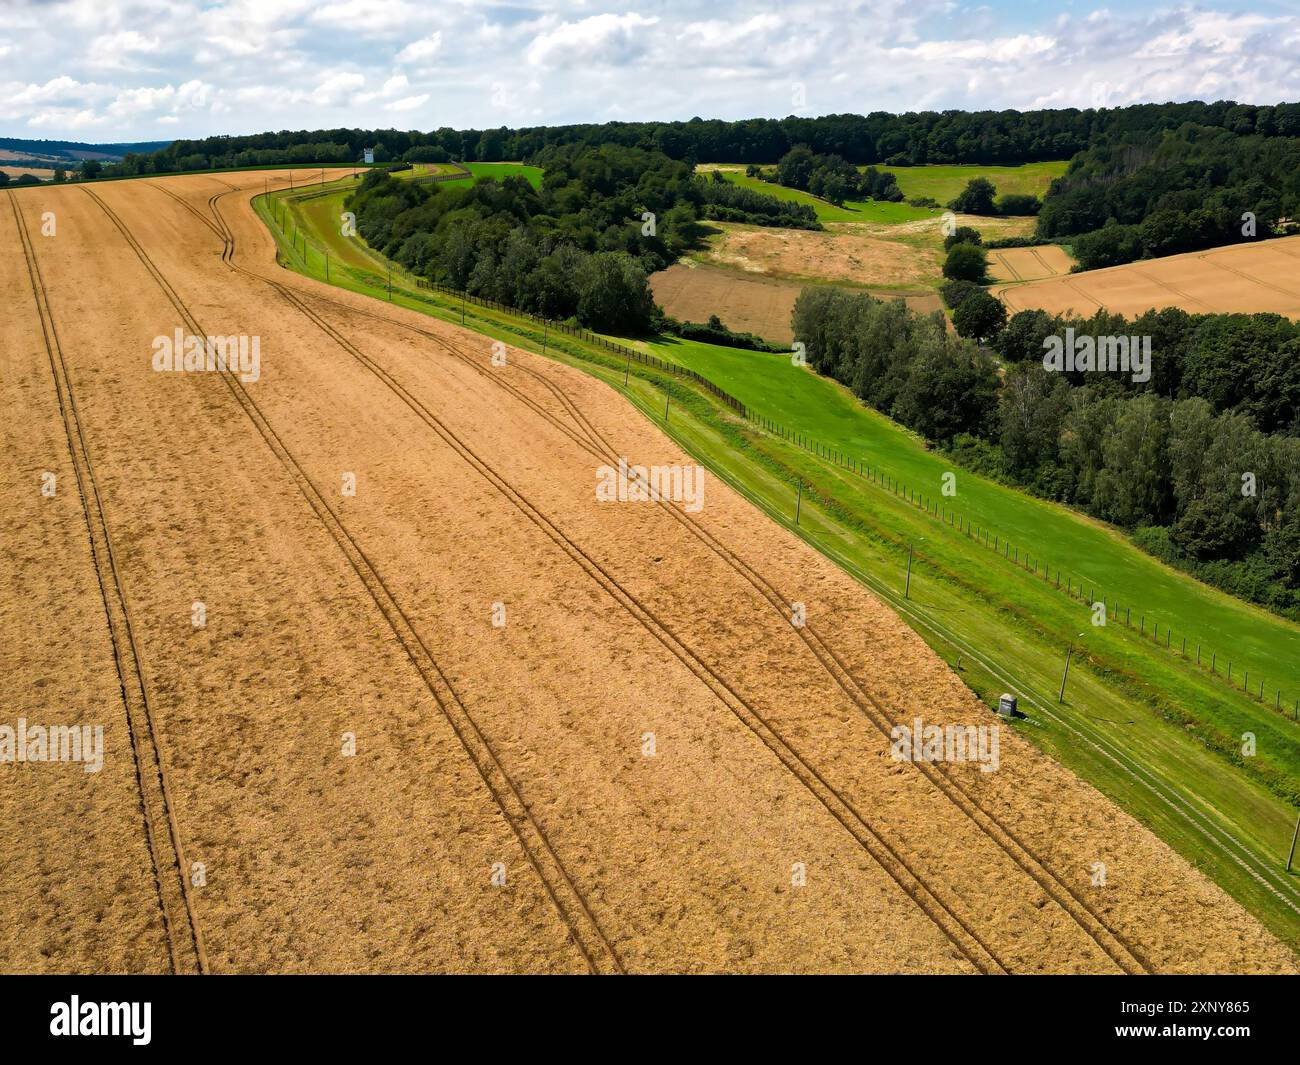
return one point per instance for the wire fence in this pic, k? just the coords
(1210, 660)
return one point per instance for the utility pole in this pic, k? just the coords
(1294, 835)
(907, 587)
(628, 368)
(1069, 652)
(798, 502)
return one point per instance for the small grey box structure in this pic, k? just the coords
(1006, 705)
(369, 155)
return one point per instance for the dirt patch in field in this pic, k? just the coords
(1246, 278)
(930, 232)
(831, 255)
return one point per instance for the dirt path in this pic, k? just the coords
(672, 776)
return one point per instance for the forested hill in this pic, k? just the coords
(993, 137)
(75, 151)
(580, 246)
(1196, 187)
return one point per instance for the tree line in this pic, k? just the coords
(1150, 195)
(994, 137)
(1201, 462)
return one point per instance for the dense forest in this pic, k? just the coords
(996, 137)
(1201, 462)
(1183, 190)
(580, 247)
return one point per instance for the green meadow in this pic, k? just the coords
(859, 211)
(1141, 722)
(943, 183)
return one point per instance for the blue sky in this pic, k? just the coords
(109, 70)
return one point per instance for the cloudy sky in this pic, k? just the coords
(118, 70)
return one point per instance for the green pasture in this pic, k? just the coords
(943, 183)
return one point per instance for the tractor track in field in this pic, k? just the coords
(1124, 954)
(571, 904)
(186, 951)
(954, 927)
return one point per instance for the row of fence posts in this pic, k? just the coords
(1078, 591)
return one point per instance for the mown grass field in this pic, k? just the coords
(943, 183)
(500, 171)
(1147, 727)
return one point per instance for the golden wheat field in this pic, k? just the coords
(1246, 278)
(386, 687)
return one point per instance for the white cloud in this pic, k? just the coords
(134, 69)
(419, 51)
(601, 39)
(120, 50)
(409, 103)
(337, 88)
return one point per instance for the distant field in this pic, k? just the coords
(943, 183)
(842, 254)
(19, 171)
(691, 292)
(858, 211)
(1029, 264)
(1243, 278)
(503, 170)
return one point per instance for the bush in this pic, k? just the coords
(976, 197)
(714, 332)
(962, 235)
(1016, 203)
(1112, 246)
(966, 262)
(953, 292)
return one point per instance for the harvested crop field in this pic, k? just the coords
(1029, 264)
(1245, 278)
(831, 255)
(747, 303)
(20, 171)
(442, 709)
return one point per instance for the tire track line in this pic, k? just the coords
(572, 906)
(956, 928)
(184, 940)
(1124, 954)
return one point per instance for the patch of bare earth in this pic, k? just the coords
(829, 255)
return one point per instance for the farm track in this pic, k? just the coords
(184, 939)
(1127, 956)
(572, 906)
